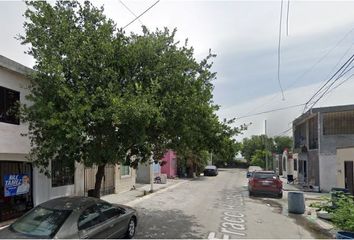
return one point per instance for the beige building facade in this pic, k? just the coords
(345, 169)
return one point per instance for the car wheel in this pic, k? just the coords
(280, 195)
(131, 228)
(250, 193)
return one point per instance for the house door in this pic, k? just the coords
(348, 176)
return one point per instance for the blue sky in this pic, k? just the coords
(244, 35)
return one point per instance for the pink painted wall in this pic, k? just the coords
(170, 168)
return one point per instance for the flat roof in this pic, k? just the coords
(13, 66)
(310, 113)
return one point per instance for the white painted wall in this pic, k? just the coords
(124, 183)
(328, 166)
(43, 190)
(11, 140)
(343, 154)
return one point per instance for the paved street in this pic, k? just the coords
(217, 207)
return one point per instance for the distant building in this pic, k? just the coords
(317, 135)
(169, 164)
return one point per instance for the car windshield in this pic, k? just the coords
(41, 222)
(210, 167)
(262, 175)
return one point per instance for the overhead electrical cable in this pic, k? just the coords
(269, 111)
(126, 7)
(325, 84)
(287, 19)
(326, 91)
(141, 14)
(279, 48)
(323, 57)
(283, 132)
(340, 84)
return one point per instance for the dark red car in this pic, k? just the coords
(265, 182)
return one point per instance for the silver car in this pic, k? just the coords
(74, 217)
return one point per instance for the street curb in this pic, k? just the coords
(161, 190)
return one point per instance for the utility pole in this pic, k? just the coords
(265, 143)
(151, 174)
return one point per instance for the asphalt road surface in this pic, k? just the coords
(218, 207)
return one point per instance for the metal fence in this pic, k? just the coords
(107, 186)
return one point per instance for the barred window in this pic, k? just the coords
(62, 173)
(8, 100)
(313, 133)
(295, 164)
(300, 135)
(124, 170)
(338, 123)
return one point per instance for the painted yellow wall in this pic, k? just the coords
(343, 154)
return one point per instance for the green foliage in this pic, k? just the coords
(282, 142)
(101, 97)
(251, 145)
(259, 158)
(325, 204)
(343, 215)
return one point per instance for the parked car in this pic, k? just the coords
(74, 217)
(265, 182)
(251, 169)
(211, 170)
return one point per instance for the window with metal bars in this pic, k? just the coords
(62, 173)
(313, 133)
(8, 108)
(338, 123)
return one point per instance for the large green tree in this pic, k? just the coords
(256, 142)
(102, 97)
(282, 142)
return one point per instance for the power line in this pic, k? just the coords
(340, 84)
(126, 7)
(330, 79)
(324, 56)
(141, 14)
(284, 132)
(328, 88)
(279, 46)
(269, 111)
(287, 19)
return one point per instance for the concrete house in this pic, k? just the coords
(317, 135)
(289, 163)
(146, 173)
(22, 186)
(169, 166)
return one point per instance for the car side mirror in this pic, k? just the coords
(248, 175)
(120, 210)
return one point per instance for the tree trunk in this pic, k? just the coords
(98, 182)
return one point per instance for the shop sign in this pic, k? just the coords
(16, 184)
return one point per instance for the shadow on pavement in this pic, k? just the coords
(201, 178)
(166, 224)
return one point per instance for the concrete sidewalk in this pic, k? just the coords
(307, 194)
(142, 190)
(310, 213)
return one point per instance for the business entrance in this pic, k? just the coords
(15, 189)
